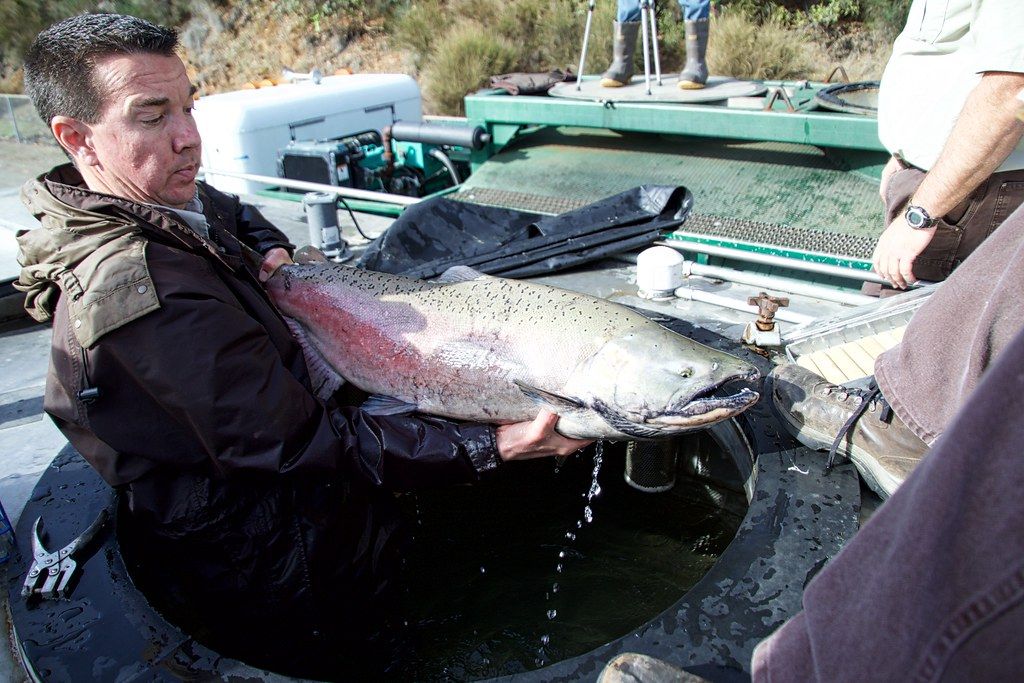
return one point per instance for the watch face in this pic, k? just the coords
(917, 217)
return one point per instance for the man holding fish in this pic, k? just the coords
(175, 377)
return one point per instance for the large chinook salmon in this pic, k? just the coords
(487, 349)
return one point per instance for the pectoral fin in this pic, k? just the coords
(324, 379)
(379, 404)
(553, 402)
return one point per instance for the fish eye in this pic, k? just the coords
(686, 372)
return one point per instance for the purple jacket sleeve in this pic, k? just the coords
(932, 587)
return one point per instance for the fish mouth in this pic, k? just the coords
(694, 412)
(707, 406)
(704, 401)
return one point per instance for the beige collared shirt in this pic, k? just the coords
(936, 61)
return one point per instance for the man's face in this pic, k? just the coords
(145, 146)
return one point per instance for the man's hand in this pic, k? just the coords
(272, 260)
(536, 439)
(985, 133)
(896, 250)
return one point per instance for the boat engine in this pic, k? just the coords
(411, 159)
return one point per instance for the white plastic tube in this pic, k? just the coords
(318, 187)
(775, 283)
(689, 294)
(781, 284)
(772, 260)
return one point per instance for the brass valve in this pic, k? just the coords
(766, 308)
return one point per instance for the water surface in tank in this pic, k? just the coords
(508, 576)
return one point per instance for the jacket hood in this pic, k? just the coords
(89, 247)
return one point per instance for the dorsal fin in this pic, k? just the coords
(309, 254)
(459, 274)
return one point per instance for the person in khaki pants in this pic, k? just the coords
(948, 113)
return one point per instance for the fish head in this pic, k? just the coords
(651, 382)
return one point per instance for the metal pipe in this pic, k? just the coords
(586, 39)
(773, 282)
(654, 40)
(447, 163)
(14, 119)
(689, 294)
(782, 284)
(389, 153)
(772, 260)
(474, 137)
(647, 56)
(317, 187)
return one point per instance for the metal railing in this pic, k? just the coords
(19, 120)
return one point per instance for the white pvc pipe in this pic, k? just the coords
(688, 294)
(771, 282)
(772, 260)
(782, 284)
(318, 187)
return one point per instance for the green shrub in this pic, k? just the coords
(21, 20)
(886, 16)
(417, 29)
(740, 47)
(829, 13)
(463, 62)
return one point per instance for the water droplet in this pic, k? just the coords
(559, 569)
(552, 613)
(545, 639)
(579, 524)
(483, 570)
(554, 588)
(588, 514)
(570, 535)
(561, 554)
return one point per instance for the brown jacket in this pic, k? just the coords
(173, 374)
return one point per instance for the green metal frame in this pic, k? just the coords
(789, 253)
(504, 117)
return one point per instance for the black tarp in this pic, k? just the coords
(438, 233)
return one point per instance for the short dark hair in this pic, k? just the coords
(60, 62)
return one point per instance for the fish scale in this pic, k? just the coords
(482, 348)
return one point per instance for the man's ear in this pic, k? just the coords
(76, 139)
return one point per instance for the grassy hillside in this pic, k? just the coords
(453, 46)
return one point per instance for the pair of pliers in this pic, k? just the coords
(55, 569)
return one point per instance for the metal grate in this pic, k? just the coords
(772, 234)
(856, 246)
(523, 201)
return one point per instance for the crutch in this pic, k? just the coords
(586, 39)
(654, 40)
(644, 6)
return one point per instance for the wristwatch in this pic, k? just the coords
(918, 218)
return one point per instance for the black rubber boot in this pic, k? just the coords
(621, 69)
(695, 73)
